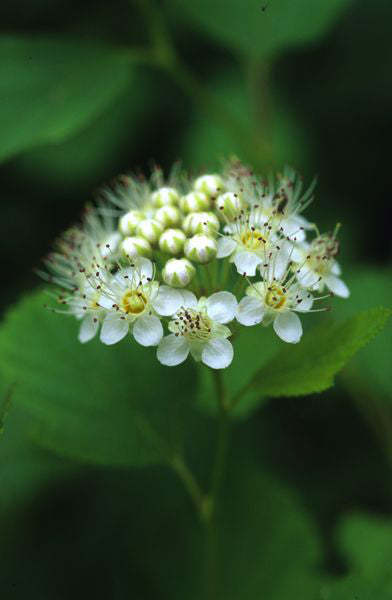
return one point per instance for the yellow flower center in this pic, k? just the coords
(253, 239)
(275, 297)
(134, 302)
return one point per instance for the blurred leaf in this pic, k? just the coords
(206, 142)
(25, 469)
(369, 285)
(270, 548)
(367, 542)
(311, 365)
(94, 153)
(261, 29)
(50, 89)
(110, 405)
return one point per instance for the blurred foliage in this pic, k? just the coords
(87, 92)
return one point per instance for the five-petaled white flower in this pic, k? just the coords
(251, 241)
(199, 328)
(271, 301)
(135, 302)
(317, 268)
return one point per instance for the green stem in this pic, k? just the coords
(165, 56)
(190, 484)
(216, 483)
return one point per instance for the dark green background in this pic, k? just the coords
(322, 104)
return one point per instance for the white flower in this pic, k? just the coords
(273, 300)
(199, 328)
(134, 301)
(317, 268)
(85, 307)
(229, 205)
(250, 241)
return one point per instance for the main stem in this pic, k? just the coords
(216, 482)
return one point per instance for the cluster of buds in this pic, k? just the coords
(192, 256)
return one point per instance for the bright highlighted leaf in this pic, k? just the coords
(312, 365)
(50, 89)
(111, 405)
(261, 29)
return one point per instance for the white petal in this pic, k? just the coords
(88, 329)
(250, 311)
(217, 353)
(307, 278)
(222, 306)
(167, 301)
(292, 230)
(337, 286)
(306, 301)
(148, 331)
(189, 300)
(226, 246)
(246, 262)
(113, 329)
(172, 350)
(287, 326)
(280, 259)
(141, 270)
(335, 268)
(302, 222)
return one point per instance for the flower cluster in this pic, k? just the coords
(195, 256)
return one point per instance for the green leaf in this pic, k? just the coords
(312, 365)
(367, 543)
(51, 88)
(261, 29)
(110, 405)
(372, 366)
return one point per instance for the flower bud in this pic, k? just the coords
(172, 241)
(165, 196)
(201, 248)
(201, 222)
(229, 205)
(128, 222)
(178, 272)
(212, 185)
(194, 201)
(135, 246)
(150, 229)
(168, 216)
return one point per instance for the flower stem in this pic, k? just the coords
(216, 482)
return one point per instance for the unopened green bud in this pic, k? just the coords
(168, 216)
(201, 248)
(201, 222)
(172, 241)
(229, 205)
(150, 229)
(128, 222)
(178, 272)
(212, 185)
(135, 246)
(194, 201)
(165, 196)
